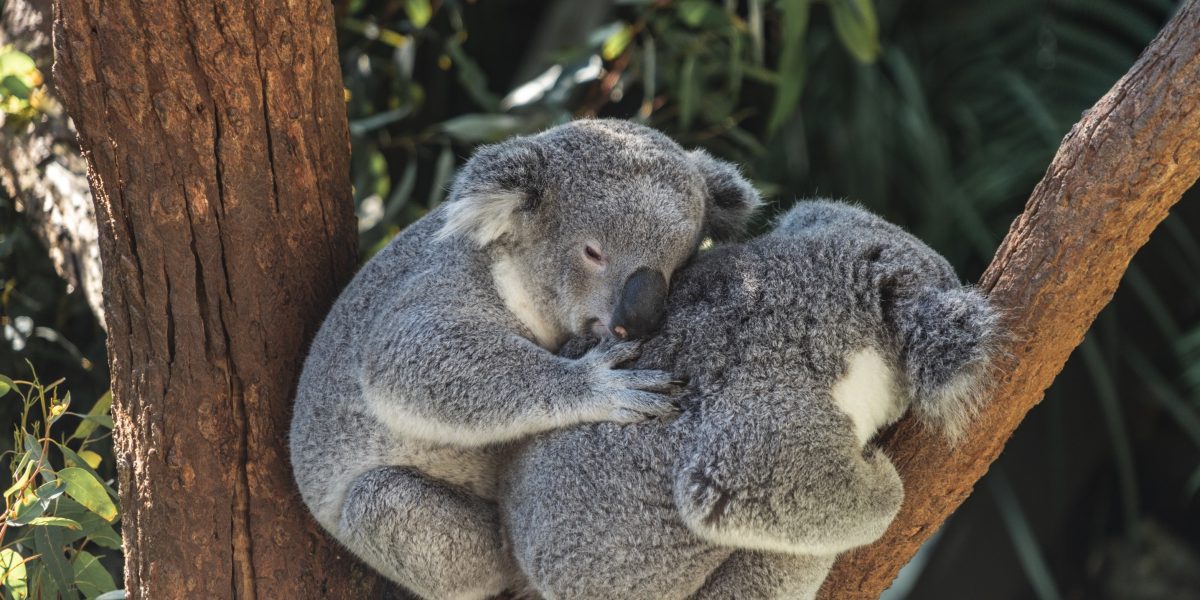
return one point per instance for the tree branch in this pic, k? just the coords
(1112, 181)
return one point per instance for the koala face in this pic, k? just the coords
(599, 214)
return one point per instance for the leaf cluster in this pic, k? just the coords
(60, 515)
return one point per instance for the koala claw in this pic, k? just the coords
(611, 353)
(637, 406)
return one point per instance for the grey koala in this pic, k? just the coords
(798, 347)
(439, 357)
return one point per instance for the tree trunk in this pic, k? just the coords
(41, 168)
(1113, 180)
(216, 140)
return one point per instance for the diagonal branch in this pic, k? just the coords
(1114, 178)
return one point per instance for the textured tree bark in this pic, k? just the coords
(216, 139)
(1113, 180)
(41, 168)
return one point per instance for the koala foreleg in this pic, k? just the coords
(767, 576)
(438, 542)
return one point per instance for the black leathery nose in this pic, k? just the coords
(643, 302)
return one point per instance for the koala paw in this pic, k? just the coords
(629, 395)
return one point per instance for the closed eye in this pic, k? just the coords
(594, 255)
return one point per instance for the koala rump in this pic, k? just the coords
(797, 348)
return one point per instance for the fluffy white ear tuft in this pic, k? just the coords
(483, 217)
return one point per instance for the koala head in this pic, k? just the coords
(597, 215)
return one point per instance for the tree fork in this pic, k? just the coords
(217, 148)
(1114, 178)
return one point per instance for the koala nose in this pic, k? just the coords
(643, 301)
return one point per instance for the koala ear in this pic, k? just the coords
(731, 199)
(494, 187)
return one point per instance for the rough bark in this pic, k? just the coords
(41, 168)
(216, 139)
(1112, 181)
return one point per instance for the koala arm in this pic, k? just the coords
(450, 379)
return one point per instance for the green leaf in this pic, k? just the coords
(12, 569)
(74, 460)
(361, 127)
(95, 528)
(419, 12)
(472, 77)
(443, 172)
(91, 577)
(113, 595)
(87, 490)
(475, 128)
(13, 62)
(32, 448)
(47, 541)
(97, 416)
(13, 86)
(92, 459)
(793, 68)
(689, 91)
(6, 384)
(25, 468)
(616, 43)
(33, 507)
(55, 522)
(692, 12)
(857, 27)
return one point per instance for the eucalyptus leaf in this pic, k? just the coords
(689, 90)
(419, 12)
(92, 459)
(13, 86)
(92, 526)
(361, 127)
(25, 468)
(89, 424)
(793, 68)
(35, 505)
(87, 490)
(471, 77)
(616, 43)
(14, 62)
(857, 27)
(92, 579)
(74, 460)
(692, 12)
(476, 128)
(55, 522)
(47, 541)
(443, 171)
(12, 569)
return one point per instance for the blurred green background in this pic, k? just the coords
(939, 114)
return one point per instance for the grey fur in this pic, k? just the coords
(767, 474)
(438, 357)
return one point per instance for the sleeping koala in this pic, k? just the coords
(440, 355)
(798, 347)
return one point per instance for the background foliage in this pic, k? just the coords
(939, 114)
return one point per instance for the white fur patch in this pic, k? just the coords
(483, 218)
(511, 288)
(867, 393)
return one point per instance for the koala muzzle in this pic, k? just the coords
(643, 301)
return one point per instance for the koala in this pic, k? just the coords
(797, 348)
(439, 357)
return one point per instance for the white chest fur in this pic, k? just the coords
(867, 393)
(516, 296)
